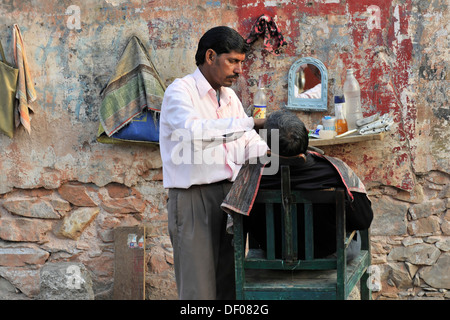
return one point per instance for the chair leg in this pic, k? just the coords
(239, 252)
(341, 251)
(366, 293)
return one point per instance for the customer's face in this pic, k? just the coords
(224, 69)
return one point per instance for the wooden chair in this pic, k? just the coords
(290, 277)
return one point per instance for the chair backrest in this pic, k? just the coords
(290, 201)
(249, 286)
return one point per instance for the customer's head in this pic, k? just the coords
(293, 135)
(220, 53)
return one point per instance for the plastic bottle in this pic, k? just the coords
(259, 103)
(341, 122)
(352, 96)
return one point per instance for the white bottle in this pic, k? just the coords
(352, 94)
(259, 103)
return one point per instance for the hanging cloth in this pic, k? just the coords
(131, 101)
(266, 27)
(8, 86)
(25, 88)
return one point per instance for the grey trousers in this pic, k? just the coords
(203, 251)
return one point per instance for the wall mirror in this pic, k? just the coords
(308, 85)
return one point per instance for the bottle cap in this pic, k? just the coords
(339, 99)
(260, 83)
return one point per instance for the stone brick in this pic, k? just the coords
(411, 240)
(123, 205)
(23, 229)
(412, 269)
(21, 256)
(445, 227)
(60, 204)
(26, 279)
(37, 193)
(378, 258)
(158, 288)
(31, 207)
(438, 275)
(65, 281)
(439, 178)
(106, 224)
(121, 199)
(74, 224)
(158, 263)
(424, 227)
(419, 254)
(445, 193)
(77, 195)
(444, 245)
(432, 239)
(426, 209)
(160, 260)
(9, 292)
(116, 190)
(389, 216)
(399, 275)
(415, 196)
(101, 266)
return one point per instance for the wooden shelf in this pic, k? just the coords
(349, 139)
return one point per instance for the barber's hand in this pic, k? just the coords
(259, 123)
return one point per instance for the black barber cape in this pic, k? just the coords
(317, 172)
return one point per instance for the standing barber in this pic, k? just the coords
(205, 137)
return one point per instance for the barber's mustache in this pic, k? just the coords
(235, 76)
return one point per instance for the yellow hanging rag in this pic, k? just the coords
(25, 93)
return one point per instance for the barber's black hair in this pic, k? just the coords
(293, 135)
(221, 39)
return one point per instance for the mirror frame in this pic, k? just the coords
(302, 104)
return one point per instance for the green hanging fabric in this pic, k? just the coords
(8, 86)
(131, 101)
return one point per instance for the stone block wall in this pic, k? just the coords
(75, 223)
(62, 193)
(411, 240)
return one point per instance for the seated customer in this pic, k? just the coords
(310, 170)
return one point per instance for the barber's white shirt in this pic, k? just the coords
(202, 141)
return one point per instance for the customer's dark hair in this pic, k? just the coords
(293, 135)
(222, 40)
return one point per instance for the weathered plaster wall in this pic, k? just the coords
(59, 176)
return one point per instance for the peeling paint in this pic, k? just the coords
(378, 38)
